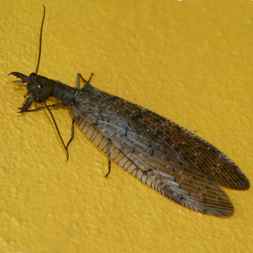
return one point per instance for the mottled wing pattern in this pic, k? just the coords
(161, 154)
(196, 153)
(193, 151)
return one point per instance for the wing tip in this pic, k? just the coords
(242, 183)
(233, 178)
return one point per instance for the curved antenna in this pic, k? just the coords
(40, 39)
(45, 104)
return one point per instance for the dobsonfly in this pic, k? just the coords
(161, 154)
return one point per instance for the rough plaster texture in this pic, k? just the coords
(191, 61)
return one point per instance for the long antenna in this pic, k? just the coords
(40, 39)
(48, 106)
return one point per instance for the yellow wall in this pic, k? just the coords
(190, 61)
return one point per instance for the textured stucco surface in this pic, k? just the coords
(191, 61)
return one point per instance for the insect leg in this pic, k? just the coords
(80, 78)
(58, 131)
(109, 159)
(109, 167)
(72, 134)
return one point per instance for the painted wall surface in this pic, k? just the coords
(190, 61)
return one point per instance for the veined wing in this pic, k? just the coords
(180, 145)
(192, 190)
(189, 188)
(170, 159)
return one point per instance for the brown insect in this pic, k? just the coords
(160, 153)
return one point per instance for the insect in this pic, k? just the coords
(161, 154)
